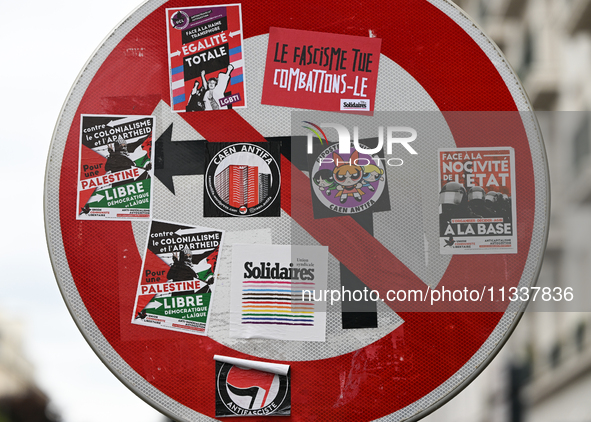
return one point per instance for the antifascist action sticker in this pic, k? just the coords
(251, 388)
(273, 290)
(205, 57)
(477, 201)
(115, 167)
(242, 180)
(178, 277)
(321, 71)
(347, 183)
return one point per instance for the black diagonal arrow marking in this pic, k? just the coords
(362, 313)
(178, 158)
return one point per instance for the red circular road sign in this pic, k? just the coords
(443, 58)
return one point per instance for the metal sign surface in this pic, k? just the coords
(433, 60)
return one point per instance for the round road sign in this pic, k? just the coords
(433, 59)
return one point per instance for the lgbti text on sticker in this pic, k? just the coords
(206, 58)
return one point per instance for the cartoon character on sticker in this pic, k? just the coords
(324, 179)
(348, 176)
(372, 173)
(348, 182)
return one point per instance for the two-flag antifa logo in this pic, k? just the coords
(244, 392)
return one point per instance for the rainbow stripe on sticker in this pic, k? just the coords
(272, 302)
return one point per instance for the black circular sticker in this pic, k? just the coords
(248, 392)
(348, 183)
(180, 20)
(242, 180)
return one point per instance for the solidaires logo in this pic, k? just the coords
(248, 392)
(243, 180)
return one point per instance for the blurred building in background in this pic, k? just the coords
(20, 398)
(544, 372)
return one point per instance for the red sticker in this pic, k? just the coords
(205, 58)
(321, 71)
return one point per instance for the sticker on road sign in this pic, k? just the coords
(273, 291)
(177, 280)
(347, 183)
(205, 56)
(251, 388)
(476, 201)
(321, 71)
(433, 61)
(242, 180)
(115, 170)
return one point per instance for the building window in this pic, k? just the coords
(581, 144)
(481, 10)
(580, 336)
(555, 354)
(528, 54)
